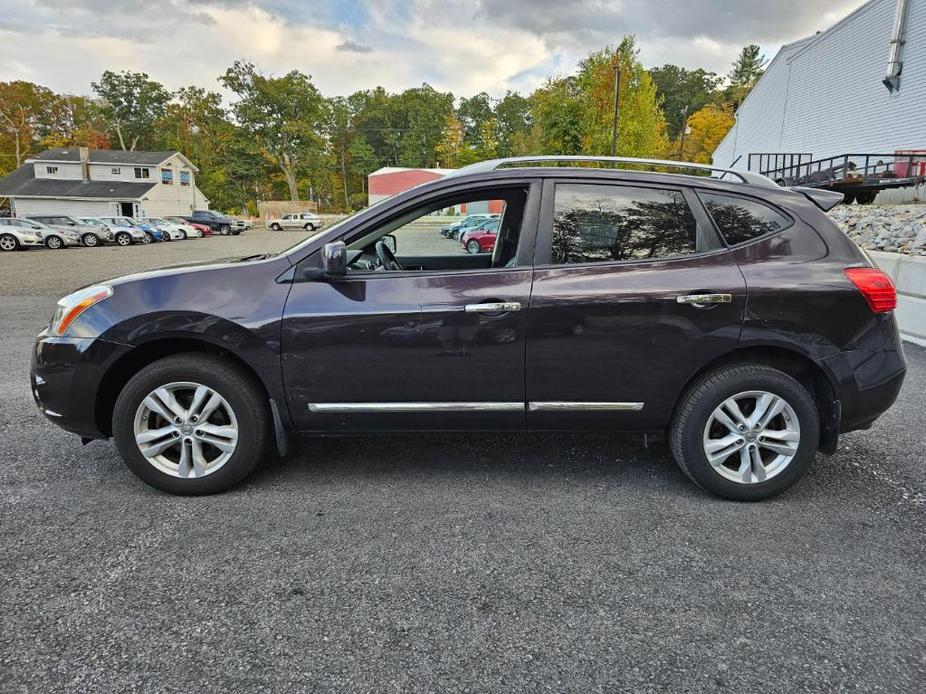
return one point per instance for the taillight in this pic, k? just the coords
(875, 286)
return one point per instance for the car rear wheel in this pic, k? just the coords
(745, 432)
(90, 240)
(123, 238)
(8, 242)
(191, 424)
(472, 247)
(54, 242)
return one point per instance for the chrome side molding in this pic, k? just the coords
(416, 407)
(537, 406)
(576, 406)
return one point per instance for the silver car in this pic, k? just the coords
(91, 235)
(123, 234)
(55, 237)
(19, 233)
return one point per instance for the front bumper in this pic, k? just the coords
(34, 242)
(66, 378)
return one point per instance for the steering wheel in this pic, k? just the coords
(387, 257)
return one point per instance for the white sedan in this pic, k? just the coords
(191, 231)
(172, 229)
(17, 233)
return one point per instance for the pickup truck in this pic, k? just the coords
(216, 221)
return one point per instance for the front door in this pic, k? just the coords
(633, 291)
(435, 345)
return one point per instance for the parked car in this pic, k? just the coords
(452, 231)
(173, 230)
(480, 239)
(301, 220)
(193, 231)
(216, 221)
(123, 234)
(614, 300)
(90, 235)
(17, 234)
(55, 237)
(150, 231)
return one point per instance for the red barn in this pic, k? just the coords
(390, 180)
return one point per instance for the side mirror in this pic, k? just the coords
(391, 243)
(334, 259)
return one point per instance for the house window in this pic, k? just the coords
(167, 177)
(51, 169)
(142, 172)
(184, 178)
(115, 171)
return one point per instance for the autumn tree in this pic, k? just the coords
(130, 102)
(708, 126)
(284, 115)
(682, 92)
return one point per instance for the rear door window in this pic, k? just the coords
(606, 223)
(742, 219)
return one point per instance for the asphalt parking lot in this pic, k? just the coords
(444, 563)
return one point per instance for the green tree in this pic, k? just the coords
(130, 103)
(284, 115)
(473, 112)
(556, 113)
(641, 124)
(745, 72)
(682, 91)
(513, 115)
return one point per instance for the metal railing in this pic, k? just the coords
(840, 167)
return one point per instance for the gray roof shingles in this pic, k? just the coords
(105, 156)
(22, 182)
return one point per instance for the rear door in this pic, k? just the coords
(633, 292)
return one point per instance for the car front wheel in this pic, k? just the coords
(90, 240)
(276, 227)
(54, 243)
(745, 432)
(123, 238)
(191, 424)
(224, 229)
(472, 247)
(310, 227)
(8, 242)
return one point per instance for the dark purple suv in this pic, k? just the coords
(731, 315)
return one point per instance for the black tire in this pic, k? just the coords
(699, 402)
(147, 238)
(124, 238)
(8, 242)
(309, 227)
(865, 198)
(276, 227)
(224, 229)
(473, 247)
(54, 243)
(239, 389)
(183, 236)
(90, 240)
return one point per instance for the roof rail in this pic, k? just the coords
(748, 177)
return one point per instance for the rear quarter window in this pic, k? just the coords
(742, 219)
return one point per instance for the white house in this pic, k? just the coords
(103, 182)
(858, 87)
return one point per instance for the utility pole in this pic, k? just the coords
(617, 95)
(681, 144)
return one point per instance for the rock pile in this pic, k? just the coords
(895, 228)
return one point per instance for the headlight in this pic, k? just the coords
(71, 306)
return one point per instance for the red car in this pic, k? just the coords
(481, 239)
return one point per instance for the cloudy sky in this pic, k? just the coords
(463, 46)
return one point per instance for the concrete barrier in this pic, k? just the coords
(909, 275)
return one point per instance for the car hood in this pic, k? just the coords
(196, 266)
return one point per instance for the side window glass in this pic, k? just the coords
(741, 219)
(602, 223)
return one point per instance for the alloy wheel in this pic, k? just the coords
(472, 246)
(186, 429)
(751, 437)
(90, 240)
(53, 242)
(123, 239)
(8, 242)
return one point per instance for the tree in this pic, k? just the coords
(130, 103)
(22, 108)
(708, 127)
(362, 159)
(473, 112)
(556, 112)
(745, 72)
(680, 89)
(513, 115)
(285, 116)
(641, 124)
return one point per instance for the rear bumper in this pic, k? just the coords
(867, 383)
(65, 378)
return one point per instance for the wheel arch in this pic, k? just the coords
(130, 363)
(809, 373)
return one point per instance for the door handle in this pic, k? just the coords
(498, 307)
(704, 299)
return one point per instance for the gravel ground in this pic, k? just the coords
(445, 563)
